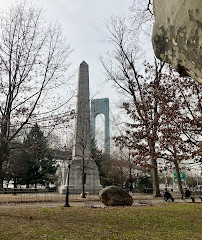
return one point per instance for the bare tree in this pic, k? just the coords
(141, 12)
(33, 56)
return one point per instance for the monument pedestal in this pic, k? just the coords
(92, 180)
(62, 189)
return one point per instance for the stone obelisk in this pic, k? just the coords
(81, 156)
(82, 139)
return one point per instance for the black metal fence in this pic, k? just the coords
(34, 195)
(30, 196)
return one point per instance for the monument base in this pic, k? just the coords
(62, 189)
(92, 180)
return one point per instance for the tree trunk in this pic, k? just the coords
(155, 179)
(178, 176)
(122, 178)
(83, 179)
(1, 172)
(131, 178)
(1, 183)
(3, 157)
(15, 186)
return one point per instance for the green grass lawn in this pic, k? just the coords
(165, 221)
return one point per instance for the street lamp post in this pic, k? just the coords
(68, 174)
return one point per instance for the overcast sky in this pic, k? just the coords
(83, 26)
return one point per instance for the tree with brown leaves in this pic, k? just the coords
(158, 105)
